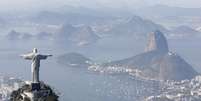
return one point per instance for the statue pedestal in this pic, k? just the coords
(35, 86)
(36, 95)
(34, 92)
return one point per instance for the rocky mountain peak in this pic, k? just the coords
(157, 42)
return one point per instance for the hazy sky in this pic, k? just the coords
(34, 4)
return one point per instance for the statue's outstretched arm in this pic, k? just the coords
(27, 56)
(49, 55)
(45, 56)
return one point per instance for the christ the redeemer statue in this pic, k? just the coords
(36, 58)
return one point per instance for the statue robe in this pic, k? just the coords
(35, 57)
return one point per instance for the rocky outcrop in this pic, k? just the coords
(157, 62)
(46, 93)
(81, 35)
(14, 35)
(157, 42)
(173, 67)
(73, 60)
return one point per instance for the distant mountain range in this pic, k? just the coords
(138, 27)
(118, 25)
(80, 28)
(164, 10)
(135, 26)
(83, 34)
(184, 32)
(72, 17)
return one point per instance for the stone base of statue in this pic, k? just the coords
(35, 86)
(34, 92)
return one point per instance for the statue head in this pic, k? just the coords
(35, 50)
